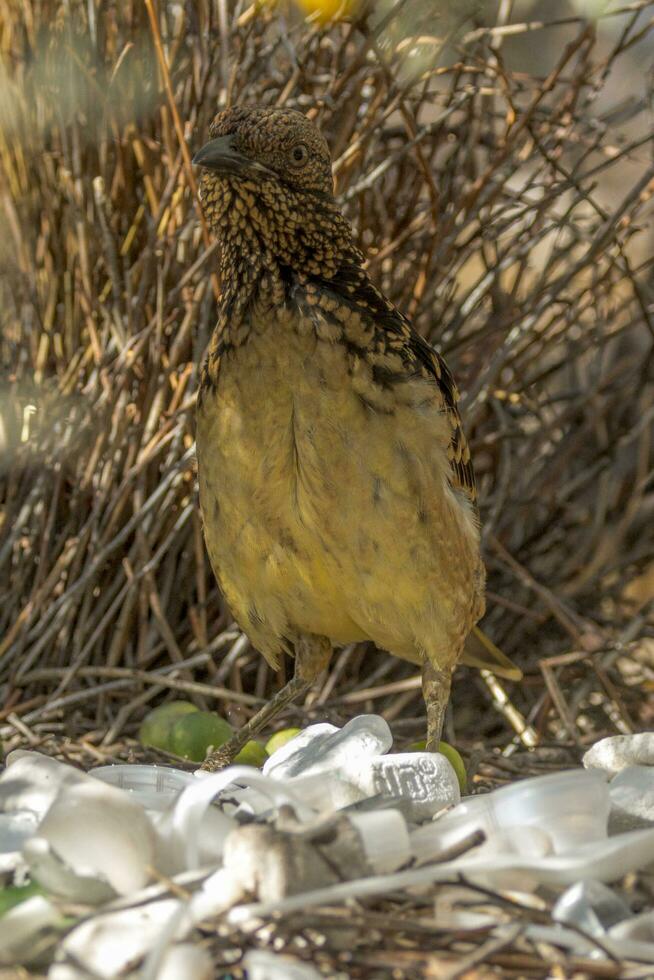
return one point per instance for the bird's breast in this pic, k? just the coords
(324, 493)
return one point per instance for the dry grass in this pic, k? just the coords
(500, 179)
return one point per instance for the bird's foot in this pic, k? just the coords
(224, 756)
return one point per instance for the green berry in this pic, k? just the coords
(193, 735)
(252, 754)
(281, 738)
(157, 726)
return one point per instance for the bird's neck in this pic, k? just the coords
(261, 263)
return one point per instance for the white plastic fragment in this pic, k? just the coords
(186, 962)
(590, 906)
(31, 781)
(321, 751)
(632, 799)
(154, 787)
(606, 860)
(54, 874)
(326, 791)
(292, 752)
(571, 808)
(99, 831)
(26, 930)
(639, 927)
(422, 782)
(384, 837)
(99, 836)
(263, 965)
(108, 944)
(15, 829)
(191, 806)
(613, 754)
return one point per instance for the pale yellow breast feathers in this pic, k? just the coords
(326, 500)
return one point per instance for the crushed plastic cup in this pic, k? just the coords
(571, 807)
(591, 906)
(154, 787)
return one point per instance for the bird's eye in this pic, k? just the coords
(299, 155)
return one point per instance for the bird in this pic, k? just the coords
(336, 486)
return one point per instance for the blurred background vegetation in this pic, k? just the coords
(495, 159)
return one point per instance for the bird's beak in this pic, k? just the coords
(220, 155)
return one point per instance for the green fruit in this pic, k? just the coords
(194, 734)
(15, 894)
(281, 738)
(451, 755)
(156, 728)
(252, 754)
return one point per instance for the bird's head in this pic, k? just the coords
(267, 189)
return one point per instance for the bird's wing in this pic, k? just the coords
(353, 287)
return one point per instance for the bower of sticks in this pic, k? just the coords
(496, 161)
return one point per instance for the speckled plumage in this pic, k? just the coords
(336, 485)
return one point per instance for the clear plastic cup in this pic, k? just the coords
(154, 787)
(571, 807)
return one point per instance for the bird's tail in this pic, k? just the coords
(481, 652)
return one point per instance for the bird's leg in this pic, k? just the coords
(312, 655)
(436, 692)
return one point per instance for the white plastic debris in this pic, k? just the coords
(31, 781)
(282, 762)
(99, 831)
(191, 806)
(590, 906)
(26, 931)
(632, 799)
(15, 829)
(633, 938)
(321, 748)
(108, 944)
(185, 962)
(58, 877)
(154, 787)
(331, 818)
(422, 783)
(571, 808)
(262, 965)
(384, 837)
(619, 751)
(326, 791)
(606, 860)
